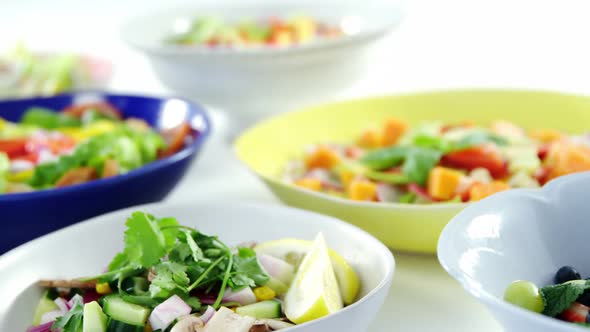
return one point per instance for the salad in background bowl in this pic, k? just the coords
(86, 161)
(254, 79)
(24, 73)
(184, 273)
(271, 147)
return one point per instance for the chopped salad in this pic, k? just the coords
(171, 277)
(214, 32)
(48, 149)
(438, 162)
(568, 299)
(24, 73)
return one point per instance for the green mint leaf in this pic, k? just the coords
(432, 142)
(247, 271)
(171, 278)
(419, 162)
(145, 243)
(72, 320)
(385, 158)
(557, 298)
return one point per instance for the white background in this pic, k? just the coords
(441, 45)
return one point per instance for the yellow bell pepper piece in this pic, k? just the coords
(264, 293)
(103, 288)
(2, 123)
(20, 176)
(95, 129)
(443, 182)
(346, 177)
(309, 183)
(362, 190)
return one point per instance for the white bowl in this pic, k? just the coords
(86, 248)
(520, 234)
(263, 78)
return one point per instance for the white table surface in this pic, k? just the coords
(441, 45)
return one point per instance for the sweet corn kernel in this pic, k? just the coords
(264, 293)
(103, 288)
(309, 183)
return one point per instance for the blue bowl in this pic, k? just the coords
(25, 216)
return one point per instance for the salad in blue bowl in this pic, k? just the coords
(70, 157)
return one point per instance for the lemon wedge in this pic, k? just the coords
(314, 291)
(293, 250)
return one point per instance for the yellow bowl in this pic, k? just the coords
(270, 145)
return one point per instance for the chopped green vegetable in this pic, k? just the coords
(559, 297)
(408, 198)
(71, 321)
(385, 158)
(247, 270)
(48, 119)
(419, 162)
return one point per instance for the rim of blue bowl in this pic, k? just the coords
(195, 109)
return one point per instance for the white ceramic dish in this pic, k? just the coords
(263, 78)
(520, 234)
(85, 248)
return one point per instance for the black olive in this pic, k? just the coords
(566, 273)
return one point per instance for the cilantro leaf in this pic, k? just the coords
(171, 277)
(180, 253)
(247, 271)
(557, 298)
(169, 227)
(145, 243)
(71, 321)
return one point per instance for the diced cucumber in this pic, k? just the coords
(118, 326)
(278, 286)
(94, 319)
(133, 314)
(46, 304)
(264, 309)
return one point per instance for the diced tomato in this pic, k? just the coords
(101, 107)
(577, 312)
(485, 156)
(353, 152)
(14, 147)
(543, 151)
(175, 138)
(542, 175)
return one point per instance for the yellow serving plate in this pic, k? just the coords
(270, 145)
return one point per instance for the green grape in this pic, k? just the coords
(525, 295)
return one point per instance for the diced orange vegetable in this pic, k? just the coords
(76, 176)
(482, 190)
(346, 177)
(322, 157)
(103, 288)
(443, 182)
(264, 293)
(369, 139)
(545, 135)
(393, 130)
(309, 183)
(110, 168)
(566, 158)
(362, 190)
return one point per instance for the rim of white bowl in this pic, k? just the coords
(449, 263)
(156, 46)
(385, 254)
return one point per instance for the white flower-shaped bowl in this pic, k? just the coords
(520, 234)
